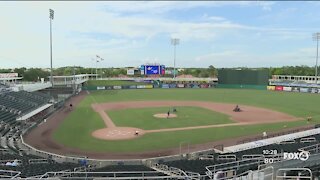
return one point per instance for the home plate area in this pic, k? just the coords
(118, 133)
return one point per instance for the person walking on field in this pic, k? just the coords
(174, 109)
(168, 114)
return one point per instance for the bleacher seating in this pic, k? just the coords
(115, 168)
(4, 88)
(22, 100)
(14, 104)
(197, 166)
(125, 171)
(6, 116)
(28, 170)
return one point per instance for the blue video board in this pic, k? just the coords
(152, 70)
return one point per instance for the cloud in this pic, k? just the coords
(115, 30)
(303, 56)
(266, 5)
(160, 7)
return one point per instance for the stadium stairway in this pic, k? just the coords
(3, 142)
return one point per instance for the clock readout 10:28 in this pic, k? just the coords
(270, 151)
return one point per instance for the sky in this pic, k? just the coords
(131, 33)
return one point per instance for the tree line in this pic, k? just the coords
(35, 74)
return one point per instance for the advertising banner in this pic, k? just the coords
(172, 85)
(165, 85)
(188, 85)
(204, 85)
(117, 87)
(287, 88)
(318, 90)
(168, 72)
(195, 86)
(305, 90)
(141, 86)
(133, 87)
(8, 75)
(147, 81)
(279, 88)
(130, 72)
(101, 88)
(271, 88)
(212, 85)
(295, 89)
(314, 90)
(149, 86)
(125, 87)
(109, 87)
(163, 69)
(180, 85)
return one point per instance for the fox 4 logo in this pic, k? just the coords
(303, 156)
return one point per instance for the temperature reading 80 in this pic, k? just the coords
(268, 160)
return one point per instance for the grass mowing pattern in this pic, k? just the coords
(155, 141)
(187, 116)
(296, 104)
(75, 130)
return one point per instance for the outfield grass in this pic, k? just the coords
(76, 130)
(296, 104)
(113, 83)
(186, 117)
(156, 141)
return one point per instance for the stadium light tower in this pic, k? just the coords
(98, 59)
(174, 42)
(316, 37)
(101, 59)
(51, 12)
(92, 59)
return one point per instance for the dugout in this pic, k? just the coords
(243, 78)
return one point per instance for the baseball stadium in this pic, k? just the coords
(158, 121)
(156, 128)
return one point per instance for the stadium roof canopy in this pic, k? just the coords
(77, 75)
(10, 78)
(67, 80)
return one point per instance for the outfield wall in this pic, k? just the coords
(242, 86)
(294, 89)
(150, 86)
(243, 76)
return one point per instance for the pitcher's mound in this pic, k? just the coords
(164, 115)
(117, 133)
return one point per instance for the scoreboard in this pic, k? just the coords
(152, 69)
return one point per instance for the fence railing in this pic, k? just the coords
(8, 174)
(294, 173)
